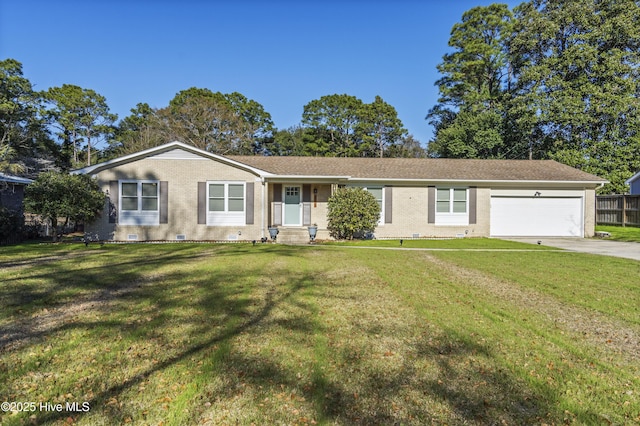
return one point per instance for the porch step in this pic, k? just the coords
(293, 235)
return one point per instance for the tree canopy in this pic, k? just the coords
(56, 195)
(23, 134)
(74, 122)
(548, 79)
(472, 112)
(553, 79)
(215, 122)
(80, 116)
(345, 126)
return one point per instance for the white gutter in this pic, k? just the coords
(329, 179)
(275, 177)
(632, 178)
(516, 181)
(15, 179)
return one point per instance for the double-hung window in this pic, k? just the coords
(226, 203)
(452, 206)
(139, 202)
(378, 193)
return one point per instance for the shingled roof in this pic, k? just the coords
(396, 169)
(420, 168)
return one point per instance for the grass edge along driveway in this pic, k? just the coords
(236, 334)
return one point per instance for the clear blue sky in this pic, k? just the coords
(282, 53)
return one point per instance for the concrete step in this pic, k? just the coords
(297, 235)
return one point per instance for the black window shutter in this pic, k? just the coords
(249, 188)
(388, 203)
(202, 203)
(306, 193)
(473, 205)
(431, 204)
(164, 201)
(114, 195)
(277, 192)
(276, 213)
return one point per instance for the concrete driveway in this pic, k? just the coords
(588, 245)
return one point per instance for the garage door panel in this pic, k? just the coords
(536, 217)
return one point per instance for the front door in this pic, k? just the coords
(292, 207)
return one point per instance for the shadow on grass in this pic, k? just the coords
(471, 394)
(127, 281)
(67, 274)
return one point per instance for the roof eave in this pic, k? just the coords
(317, 178)
(632, 178)
(16, 180)
(96, 168)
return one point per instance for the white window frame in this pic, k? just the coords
(227, 217)
(381, 200)
(452, 217)
(139, 216)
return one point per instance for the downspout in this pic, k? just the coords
(263, 207)
(595, 211)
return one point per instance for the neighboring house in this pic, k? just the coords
(178, 192)
(634, 184)
(12, 191)
(11, 198)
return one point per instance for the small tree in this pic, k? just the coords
(352, 211)
(57, 195)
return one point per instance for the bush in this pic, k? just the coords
(352, 212)
(53, 195)
(10, 226)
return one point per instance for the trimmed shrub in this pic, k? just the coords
(352, 212)
(10, 226)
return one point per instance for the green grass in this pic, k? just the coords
(621, 233)
(443, 243)
(268, 334)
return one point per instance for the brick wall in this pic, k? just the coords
(183, 176)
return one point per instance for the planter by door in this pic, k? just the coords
(273, 232)
(313, 231)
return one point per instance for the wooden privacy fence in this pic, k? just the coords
(618, 210)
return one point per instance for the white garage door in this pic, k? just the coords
(536, 217)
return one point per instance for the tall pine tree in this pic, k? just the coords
(471, 114)
(578, 83)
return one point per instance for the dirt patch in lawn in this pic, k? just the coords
(604, 332)
(24, 331)
(41, 260)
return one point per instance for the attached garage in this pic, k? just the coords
(537, 216)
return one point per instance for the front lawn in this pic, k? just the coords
(443, 244)
(179, 334)
(621, 233)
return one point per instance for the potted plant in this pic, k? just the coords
(273, 232)
(313, 230)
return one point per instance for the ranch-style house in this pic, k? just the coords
(177, 192)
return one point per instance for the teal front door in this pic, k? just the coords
(292, 206)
